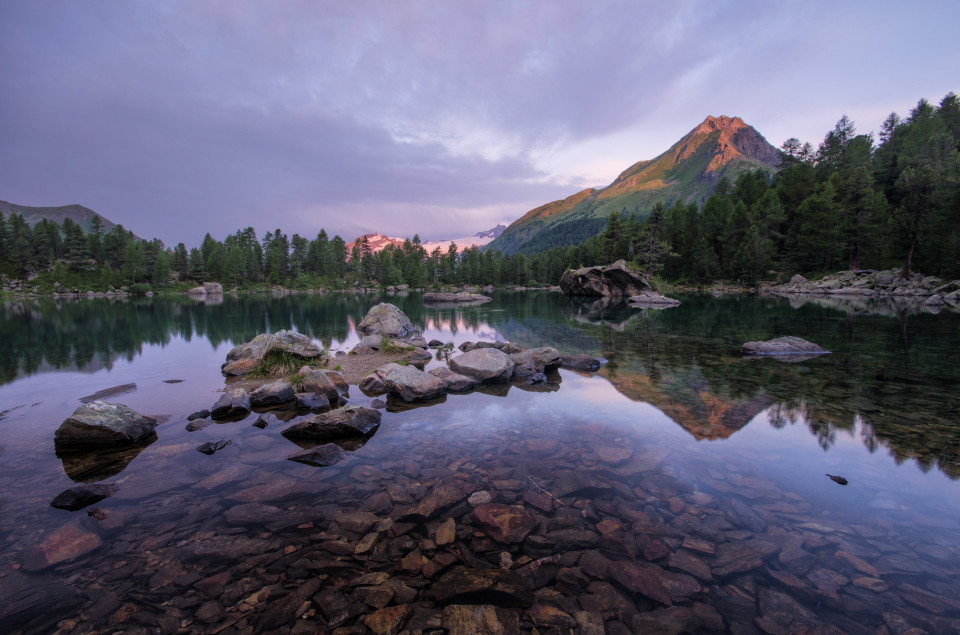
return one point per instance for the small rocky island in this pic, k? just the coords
(614, 280)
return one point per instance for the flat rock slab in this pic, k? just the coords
(100, 395)
(349, 421)
(102, 424)
(455, 298)
(783, 346)
(320, 456)
(652, 300)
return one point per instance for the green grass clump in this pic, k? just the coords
(278, 364)
(392, 347)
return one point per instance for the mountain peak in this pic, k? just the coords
(686, 172)
(722, 122)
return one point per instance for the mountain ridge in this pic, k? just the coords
(378, 241)
(687, 171)
(79, 214)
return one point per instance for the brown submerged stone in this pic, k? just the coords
(504, 523)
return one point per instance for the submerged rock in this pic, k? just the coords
(102, 424)
(783, 346)
(213, 446)
(100, 395)
(385, 319)
(320, 456)
(77, 498)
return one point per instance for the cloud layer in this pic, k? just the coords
(180, 118)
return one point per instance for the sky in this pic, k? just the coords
(178, 118)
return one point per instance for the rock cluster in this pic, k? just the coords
(481, 363)
(244, 358)
(208, 288)
(878, 283)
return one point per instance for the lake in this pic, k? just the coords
(681, 488)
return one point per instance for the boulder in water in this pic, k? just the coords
(385, 319)
(102, 424)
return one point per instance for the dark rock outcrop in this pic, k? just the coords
(233, 403)
(349, 421)
(616, 280)
(102, 424)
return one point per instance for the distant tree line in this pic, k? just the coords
(851, 203)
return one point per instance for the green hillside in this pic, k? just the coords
(688, 171)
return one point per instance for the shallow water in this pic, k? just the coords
(682, 488)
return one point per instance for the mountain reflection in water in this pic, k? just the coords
(682, 487)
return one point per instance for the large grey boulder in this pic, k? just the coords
(349, 421)
(244, 358)
(617, 279)
(484, 365)
(102, 424)
(411, 384)
(783, 346)
(232, 403)
(271, 394)
(407, 382)
(385, 319)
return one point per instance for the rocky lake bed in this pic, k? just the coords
(571, 494)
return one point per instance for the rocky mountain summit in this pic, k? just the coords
(688, 171)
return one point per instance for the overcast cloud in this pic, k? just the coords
(443, 118)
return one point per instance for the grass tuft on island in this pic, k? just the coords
(279, 364)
